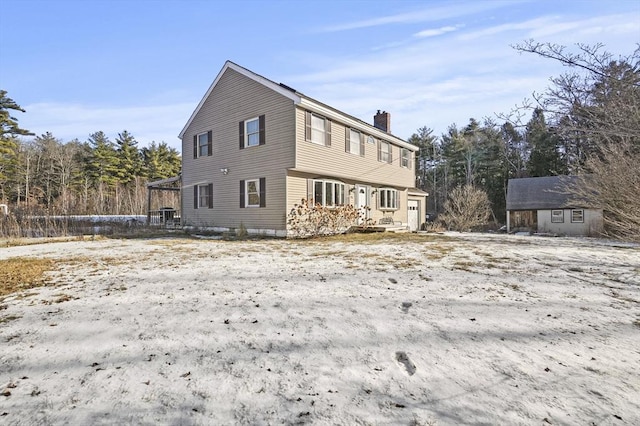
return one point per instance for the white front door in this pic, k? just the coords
(362, 202)
(413, 215)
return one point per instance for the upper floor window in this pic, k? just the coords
(328, 193)
(252, 132)
(384, 152)
(354, 142)
(317, 129)
(405, 160)
(388, 199)
(202, 144)
(253, 193)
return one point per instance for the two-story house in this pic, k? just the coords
(253, 148)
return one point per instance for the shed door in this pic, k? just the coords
(414, 214)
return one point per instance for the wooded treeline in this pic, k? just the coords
(97, 176)
(586, 122)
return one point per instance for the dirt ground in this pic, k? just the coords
(372, 330)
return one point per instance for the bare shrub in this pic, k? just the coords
(309, 220)
(467, 207)
(613, 185)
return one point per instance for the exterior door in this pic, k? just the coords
(413, 215)
(362, 202)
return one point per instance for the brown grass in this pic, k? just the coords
(22, 273)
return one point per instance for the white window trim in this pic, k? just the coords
(204, 205)
(388, 153)
(246, 193)
(351, 142)
(246, 132)
(581, 216)
(406, 159)
(336, 184)
(323, 130)
(396, 197)
(555, 216)
(201, 145)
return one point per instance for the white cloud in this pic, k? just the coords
(436, 32)
(430, 14)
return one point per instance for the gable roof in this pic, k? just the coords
(302, 100)
(540, 193)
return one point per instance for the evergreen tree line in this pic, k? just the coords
(98, 176)
(586, 122)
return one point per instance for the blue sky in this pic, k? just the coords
(80, 66)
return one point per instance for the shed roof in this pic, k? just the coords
(540, 193)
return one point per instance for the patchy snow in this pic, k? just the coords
(453, 329)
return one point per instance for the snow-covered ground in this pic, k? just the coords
(454, 329)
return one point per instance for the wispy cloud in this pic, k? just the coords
(146, 123)
(436, 31)
(430, 14)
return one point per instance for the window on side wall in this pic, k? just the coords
(406, 158)
(203, 196)
(253, 193)
(388, 199)
(328, 193)
(557, 216)
(577, 216)
(202, 144)
(252, 132)
(354, 142)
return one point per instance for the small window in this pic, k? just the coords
(371, 140)
(252, 132)
(252, 193)
(328, 193)
(385, 152)
(577, 216)
(354, 142)
(389, 199)
(557, 216)
(204, 196)
(406, 158)
(202, 144)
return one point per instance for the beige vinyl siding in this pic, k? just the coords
(334, 161)
(236, 98)
(297, 187)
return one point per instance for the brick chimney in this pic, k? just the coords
(382, 121)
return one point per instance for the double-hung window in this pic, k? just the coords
(384, 152)
(328, 193)
(577, 216)
(202, 144)
(317, 129)
(557, 216)
(388, 199)
(354, 142)
(203, 196)
(405, 160)
(252, 132)
(253, 193)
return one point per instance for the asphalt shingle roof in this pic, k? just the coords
(540, 193)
